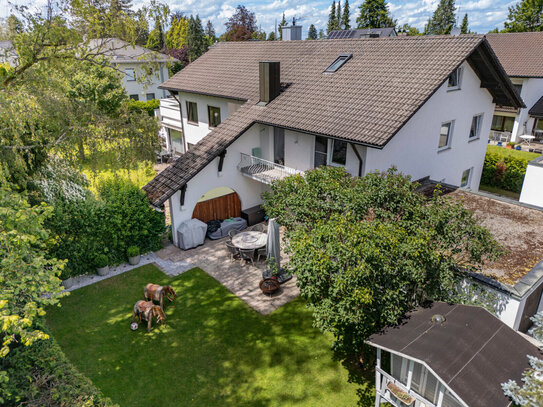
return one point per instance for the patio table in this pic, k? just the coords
(250, 240)
(527, 138)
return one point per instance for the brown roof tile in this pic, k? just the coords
(521, 54)
(366, 101)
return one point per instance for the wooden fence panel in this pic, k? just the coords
(223, 207)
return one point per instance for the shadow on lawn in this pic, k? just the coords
(213, 349)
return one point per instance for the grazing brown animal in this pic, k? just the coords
(147, 310)
(155, 292)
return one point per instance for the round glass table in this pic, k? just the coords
(250, 240)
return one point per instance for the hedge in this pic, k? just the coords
(141, 106)
(505, 168)
(106, 224)
(41, 375)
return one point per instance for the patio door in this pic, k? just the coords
(279, 145)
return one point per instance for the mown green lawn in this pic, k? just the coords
(513, 153)
(213, 351)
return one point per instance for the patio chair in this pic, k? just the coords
(261, 252)
(233, 250)
(233, 233)
(248, 254)
(260, 227)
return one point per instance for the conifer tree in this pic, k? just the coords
(176, 37)
(321, 34)
(346, 18)
(525, 16)
(196, 40)
(271, 36)
(281, 25)
(375, 14)
(312, 32)
(332, 18)
(156, 37)
(464, 26)
(443, 19)
(338, 16)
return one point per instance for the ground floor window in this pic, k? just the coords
(466, 178)
(134, 97)
(321, 151)
(538, 130)
(176, 141)
(329, 152)
(502, 123)
(150, 96)
(339, 152)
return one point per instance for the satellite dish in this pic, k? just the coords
(455, 32)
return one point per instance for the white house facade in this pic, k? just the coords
(521, 55)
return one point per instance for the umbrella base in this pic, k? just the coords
(282, 276)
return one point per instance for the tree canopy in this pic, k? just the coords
(312, 32)
(346, 17)
(527, 15)
(367, 250)
(443, 18)
(241, 25)
(375, 14)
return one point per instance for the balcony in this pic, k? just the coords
(383, 389)
(503, 136)
(262, 170)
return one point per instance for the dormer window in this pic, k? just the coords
(454, 79)
(338, 63)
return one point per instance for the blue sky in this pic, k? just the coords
(484, 15)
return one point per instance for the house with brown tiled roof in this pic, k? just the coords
(253, 112)
(521, 55)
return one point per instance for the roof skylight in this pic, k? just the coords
(338, 63)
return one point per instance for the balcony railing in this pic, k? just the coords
(263, 170)
(387, 395)
(503, 136)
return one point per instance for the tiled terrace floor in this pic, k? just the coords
(240, 278)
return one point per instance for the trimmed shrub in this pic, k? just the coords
(141, 106)
(101, 261)
(41, 375)
(505, 169)
(133, 251)
(119, 217)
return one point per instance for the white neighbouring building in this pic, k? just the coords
(143, 70)
(521, 55)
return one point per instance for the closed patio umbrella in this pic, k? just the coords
(273, 246)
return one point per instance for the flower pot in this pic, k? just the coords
(401, 395)
(509, 147)
(134, 260)
(102, 271)
(68, 283)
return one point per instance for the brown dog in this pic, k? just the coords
(155, 292)
(147, 310)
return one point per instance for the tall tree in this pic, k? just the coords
(196, 40)
(338, 16)
(366, 250)
(464, 29)
(346, 18)
(271, 36)
(321, 34)
(210, 33)
(241, 25)
(375, 14)
(409, 30)
(332, 18)
(525, 16)
(176, 37)
(280, 28)
(312, 32)
(259, 35)
(156, 37)
(443, 19)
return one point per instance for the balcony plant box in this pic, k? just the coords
(401, 395)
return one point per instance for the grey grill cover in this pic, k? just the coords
(191, 233)
(228, 225)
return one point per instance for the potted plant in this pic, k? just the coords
(511, 145)
(133, 253)
(101, 263)
(272, 271)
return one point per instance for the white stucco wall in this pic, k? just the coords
(532, 90)
(151, 82)
(414, 150)
(194, 133)
(532, 187)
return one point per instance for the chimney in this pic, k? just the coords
(292, 33)
(270, 81)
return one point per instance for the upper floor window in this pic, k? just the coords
(454, 79)
(445, 135)
(150, 96)
(130, 74)
(192, 112)
(338, 63)
(321, 151)
(339, 152)
(475, 130)
(214, 116)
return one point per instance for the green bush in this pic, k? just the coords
(505, 169)
(41, 375)
(118, 217)
(140, 106)
(101, 261)
(133, 251)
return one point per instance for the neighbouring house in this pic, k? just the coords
(362, 33)
(8, 53)
(422, 104)
(143, 70)
(521, 55)
(447, 355)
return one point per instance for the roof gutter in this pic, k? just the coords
(202, 93)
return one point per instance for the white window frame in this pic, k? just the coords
(458, 73)
(196, 123)
(329, 153)
(130, 74)
(468, 181)
(449, 136)
(479, 125)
